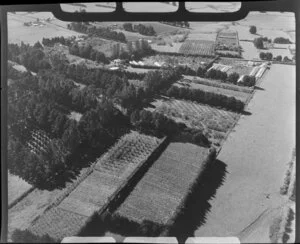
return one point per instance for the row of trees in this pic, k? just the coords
(266, 56)
(86, 51)
(259, 42)
(160, 125)
(282, 40)
(140, 28)
(205, 97)
(134, 50)
(97, 31)
(62, 40)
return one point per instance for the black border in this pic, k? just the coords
(121, 15)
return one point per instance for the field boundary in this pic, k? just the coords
(20, 198)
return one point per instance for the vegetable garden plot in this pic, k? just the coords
(200, 47)
(58, 223)
(165, 185)
(227, 40)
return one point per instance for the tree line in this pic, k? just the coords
(140, 28)
(32, 57)
(86, 51)
(103, 32)
(210, 98)
(62, 40)
(177, 23)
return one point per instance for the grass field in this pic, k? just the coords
(16, 187)
(212, 121)
(108, 174)
(193, 85)
(17, 32)
(219, 84)
(200, 47)
(160, 192)
(256, 160)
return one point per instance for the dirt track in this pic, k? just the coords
(256, 154)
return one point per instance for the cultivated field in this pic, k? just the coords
(200, 47)
(213, 121)
(231, 93)
(167, 60)
(256, 154)
(95, 190)
(162, 189)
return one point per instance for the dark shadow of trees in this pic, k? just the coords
(197, 205)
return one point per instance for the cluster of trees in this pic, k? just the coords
(266, 56)
(32, 57)
(177, 23)
(253, 29)
(216, 74)
(86, 51)
(140, 28)
(43, 102)
(97, 31)
(134, 50)
(62, 40)
(259, 42)
(160, 125)
(282, 40)
(248, 80)
(205, 97)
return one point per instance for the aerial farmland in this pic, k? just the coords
(132, 128)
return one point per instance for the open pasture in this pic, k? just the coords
(217, 83)
(200, 47)
(218, 90)
(17, 32)
(165, 185)
(212, 121)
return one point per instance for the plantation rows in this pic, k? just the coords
(58, 223)
(199, 47)
(129, 150)
(160, 192)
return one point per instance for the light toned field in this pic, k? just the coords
(16, 187)
(107, 176)
(173, 48)
(212, 7)
(216, 83)
(193, 85)
(249, 51)
(256, 154)
(24, 212)
(213, 121)
(90, 7)
(17, 32)
(161, 190)
(149, 7)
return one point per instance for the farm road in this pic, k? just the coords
(256, 154)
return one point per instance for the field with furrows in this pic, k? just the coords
(212, 121)
(200, 47)
(94, 190)
(163, 188)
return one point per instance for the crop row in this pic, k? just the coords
(200, 47)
